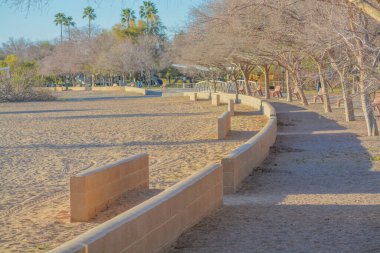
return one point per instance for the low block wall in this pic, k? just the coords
(231, 107)
(242, 161)
(77, 88)
(108, 88)
(58, 89)
(155, 224)
(215, 99)
(224, 125)
(206, 95)
(135, 90)
(193, 96)
(91, 191)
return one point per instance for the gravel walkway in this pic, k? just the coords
(319, 191)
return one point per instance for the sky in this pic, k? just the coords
(37, 24)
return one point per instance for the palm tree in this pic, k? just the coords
(148, 11)
(89, 13)
(59, 19)
(127, 15)
(68, 22)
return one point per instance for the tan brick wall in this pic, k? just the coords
(231, 107)
(224, 125)
(91, 191)
(243, 160)
(155, 224)
(135, 90)
(193, 96)
(108, 88)
(215, 99)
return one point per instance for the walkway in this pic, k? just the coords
(318, 191)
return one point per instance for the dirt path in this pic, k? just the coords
(319, 191)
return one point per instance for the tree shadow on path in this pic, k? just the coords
(316, 192)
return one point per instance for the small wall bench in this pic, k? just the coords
(93, 190)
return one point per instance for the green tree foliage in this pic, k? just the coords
(149, 13)
(68, 22)
(128, 16)
(89, 13)
(59, 20)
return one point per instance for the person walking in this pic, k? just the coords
(318, 85)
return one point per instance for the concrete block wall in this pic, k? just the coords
(215, 99)
(77, 88)
(193, 96)
(139, 91)
(206, 96)
(155, 224)
(243, 160)
(108, 88)
(48, 88)
(93, 190)
(231, 107)
(224, 125)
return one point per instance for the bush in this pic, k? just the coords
(21, 88)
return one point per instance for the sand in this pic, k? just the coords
(42, 144)
(318, 191)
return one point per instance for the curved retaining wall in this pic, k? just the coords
(156, 223)
(243, 160)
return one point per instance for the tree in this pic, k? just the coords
(59, 20)
(68, 22)
(148, 11)
(127, 16)
(89, 13)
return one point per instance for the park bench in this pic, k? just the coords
(257, 90)
(296, 92)
(376, 102)
(241, 90)
(339, 101)
(277, 92)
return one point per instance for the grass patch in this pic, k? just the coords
(376, 158)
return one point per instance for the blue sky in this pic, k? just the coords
(37, 24)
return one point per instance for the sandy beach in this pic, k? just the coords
(42, 144)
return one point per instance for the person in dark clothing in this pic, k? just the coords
(319, 85)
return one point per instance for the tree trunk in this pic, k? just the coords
(93, 80)
(266, 69)
(246, 85)
(326, 97)
(289, 97)
(348, 105)
(89, 28)
(299, 84)
(368, 112)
